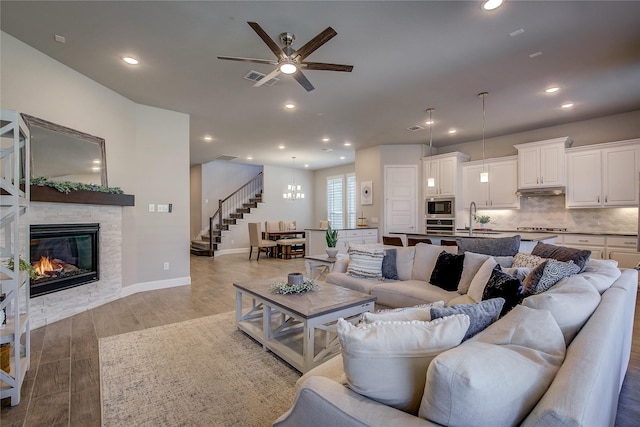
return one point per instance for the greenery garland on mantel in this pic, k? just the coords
(67, 187)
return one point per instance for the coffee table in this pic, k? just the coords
(288, 325)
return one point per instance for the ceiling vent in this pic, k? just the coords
(256, 76)
(415, 128)
(226, 157)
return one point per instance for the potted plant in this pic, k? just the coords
(483, 220)
(332, 238)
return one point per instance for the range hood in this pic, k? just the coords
(545, 191)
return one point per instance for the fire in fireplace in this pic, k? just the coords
(63, 256)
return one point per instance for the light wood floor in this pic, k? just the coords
(62, 388)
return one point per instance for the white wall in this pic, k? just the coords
(147, 154)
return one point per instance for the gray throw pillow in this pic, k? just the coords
(580, 257)
(481, 314)
(501, 246)
(389, 267)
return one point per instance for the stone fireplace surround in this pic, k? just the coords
(59, 305)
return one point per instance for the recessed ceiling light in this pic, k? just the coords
(491, 4)
(208, 138)
(342, 157)
(347, 144)
(281, 146)
(553, 89)
(452, 131)
(95, 168)
(429, 122)
(567, 105)
(289, 106)
(249, 158)
(306, 165)
(130, 60)
(97, 161)
(325, 139)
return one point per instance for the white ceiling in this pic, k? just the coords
(407, 57)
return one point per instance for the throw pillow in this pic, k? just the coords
(519, 273)
(571, 303)
(471, 265)
(498, 376)
(447, 271)
(389, 268)
(580, 257)
(502, 246)
(419, 312)
(404, 262)
(553, 272)
(387, 361)
(481, 314)
(365, 261)
(502, 285)
(425, 259)
(531, 281)
(526, 260)
(479, 281)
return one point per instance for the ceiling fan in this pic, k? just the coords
(289, 60)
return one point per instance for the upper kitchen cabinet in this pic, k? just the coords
(606, 176)
(542, 164)
(446, 169)
(499, 192)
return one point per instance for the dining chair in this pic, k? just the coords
(256, 240)
(392, 241)
(412, 241)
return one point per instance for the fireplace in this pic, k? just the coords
(63, 256)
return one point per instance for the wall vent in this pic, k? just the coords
(415, 128)
(226, 157)
(256, 76)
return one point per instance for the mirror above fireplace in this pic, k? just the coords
(64, 154)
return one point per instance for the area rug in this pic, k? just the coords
(201, 372)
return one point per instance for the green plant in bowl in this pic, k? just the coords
(332, 237)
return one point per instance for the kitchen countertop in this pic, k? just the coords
(341, 229)
(590, 233)
(492, 234)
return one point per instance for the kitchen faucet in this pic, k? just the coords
(472, 217)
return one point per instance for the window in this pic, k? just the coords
(341, 201)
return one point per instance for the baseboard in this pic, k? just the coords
(155, 285)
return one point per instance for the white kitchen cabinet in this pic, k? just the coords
(623, 250)
(316, 239)
(445, 169)
(499, 192)
(606, 176)
(596, 244)
(542, 164)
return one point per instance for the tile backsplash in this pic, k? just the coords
(550, 211)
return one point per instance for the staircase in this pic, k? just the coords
(230, 210)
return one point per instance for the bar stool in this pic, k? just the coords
(412, 241)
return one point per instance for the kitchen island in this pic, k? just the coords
(317, 244)
(528, 240)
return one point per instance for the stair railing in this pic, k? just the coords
(231, 203)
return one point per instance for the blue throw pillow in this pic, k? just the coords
(502, 285)
(389, 267)
(481, 314)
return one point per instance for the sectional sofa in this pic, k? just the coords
(558, 358)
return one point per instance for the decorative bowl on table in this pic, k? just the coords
(332, 252)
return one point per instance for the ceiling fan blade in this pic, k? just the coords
(257, 61)
(303, 80)
(324, 66)
(268, 77)
(277, 51)
(314, 44)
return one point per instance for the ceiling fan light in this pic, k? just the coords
(288, 68)
(491, 4)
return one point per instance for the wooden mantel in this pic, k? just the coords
(42, 193)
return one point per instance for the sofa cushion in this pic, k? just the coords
(425, 259)
(526, 260)
(471, 265)
(357, 284)
(601, 273)
(571, 302)
(389, 264)
(387, 361)
(446, 273)
(502, 246)
(460, 299)
(580, 257)
(404, 261)
(496, 377)
(481, 314)
(404, 314)
(365, 261)
(479, 281)
(407, 293)
(503, 285)
(553, 272)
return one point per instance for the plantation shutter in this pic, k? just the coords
(335, 201)
(351, 200)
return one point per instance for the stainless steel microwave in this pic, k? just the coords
(440, 207)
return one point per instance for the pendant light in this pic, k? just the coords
(293, 192)
(431, 181)
(484, 175)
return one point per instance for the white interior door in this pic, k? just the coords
(401, 199)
